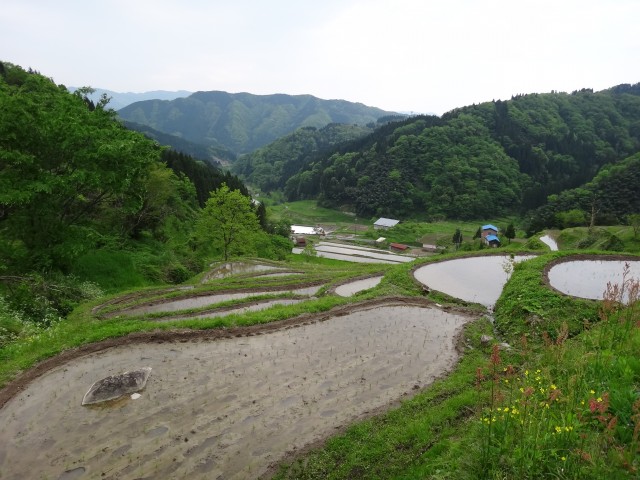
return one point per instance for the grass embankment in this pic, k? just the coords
(562, 402)
(612, 238)
(83, 327)
(307, 212)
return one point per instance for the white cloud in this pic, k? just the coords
(419, 55)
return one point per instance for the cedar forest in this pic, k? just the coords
(536, 156)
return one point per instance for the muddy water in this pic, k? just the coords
(589, 278)
(204, 300)
(237, 310)
(350, 289)
(227, 408)
(357, 254)
(237, 268)
(550, 242)
(473, 279)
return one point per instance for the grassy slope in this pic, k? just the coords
(439, 433)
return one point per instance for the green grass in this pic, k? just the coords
(27, 346)
(578, 357)
(610, 238)
(468, 425)
(112, 270)
(306, 212)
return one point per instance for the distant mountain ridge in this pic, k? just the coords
(122, 99)
(243, 122)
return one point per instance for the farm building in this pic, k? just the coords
(385, 223)
(304, 230)
(430, 247)
(489, 235)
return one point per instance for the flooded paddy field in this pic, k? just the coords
(358, 254)
(201, 301)
(588, 278)
(224, 407)
(238, 268)
(351, 288)
(472, 279)
(550, 242)
(242, 308)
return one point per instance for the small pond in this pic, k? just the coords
(472, 279)
(589, 278)
(351, 288)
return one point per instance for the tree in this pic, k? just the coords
(510, 232)
(478, 233)
(457, 238)
(228, 222)
(571, 218)
(634, 221)
(61, 165)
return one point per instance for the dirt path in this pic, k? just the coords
(223, 408)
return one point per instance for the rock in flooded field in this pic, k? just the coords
(116, 386)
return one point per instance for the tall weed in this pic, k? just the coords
(571, 408)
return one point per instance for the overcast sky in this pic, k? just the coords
(424, 56)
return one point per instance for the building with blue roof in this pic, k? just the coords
(490, 235)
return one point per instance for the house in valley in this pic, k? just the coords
(489, 235)
(398, 246)
(385, 223)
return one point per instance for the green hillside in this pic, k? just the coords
(76, 184)
(209, 153)
(496, 158)
(269, 167)
(242, 122)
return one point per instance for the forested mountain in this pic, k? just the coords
(609, 198)
(269, 167)
(242, 122)
(213, 155)
(205, 177)
(478, 161)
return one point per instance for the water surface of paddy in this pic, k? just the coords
(589, 278)
(473, 279)
(351, 288)
(226, 408)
